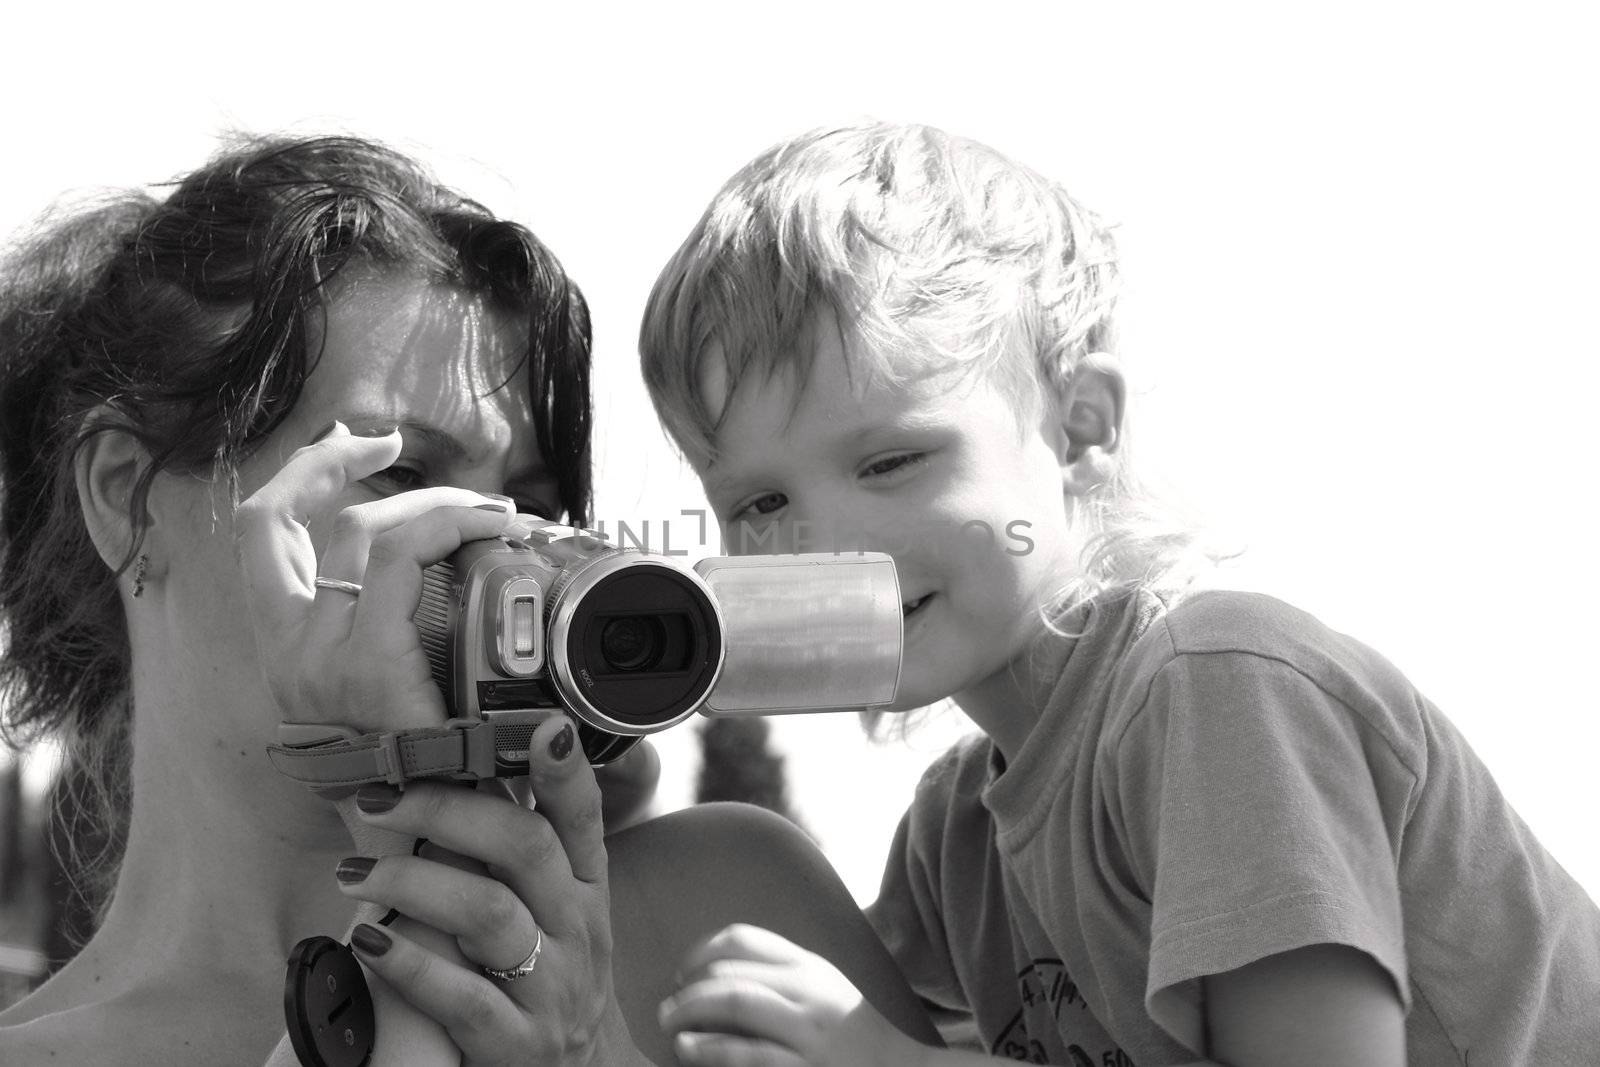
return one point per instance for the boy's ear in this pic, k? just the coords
(1088, 414)
(107, 468)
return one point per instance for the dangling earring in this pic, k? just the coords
(139, 567)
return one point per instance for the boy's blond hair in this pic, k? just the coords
(929, 250)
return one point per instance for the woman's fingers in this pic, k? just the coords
(491, 923)
(476, 1013)
(357, 659)
(350, 655)
(535, 852)
(442, 521)
(270, 527)
(355, 528)
(276, 550)
(565, 792)
(519, 847)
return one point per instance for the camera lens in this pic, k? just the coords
(635, 643)
(632, 642)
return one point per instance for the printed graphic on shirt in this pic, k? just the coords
(1060, 1023)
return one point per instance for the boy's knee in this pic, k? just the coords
(727, 834)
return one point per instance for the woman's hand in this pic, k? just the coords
(499, 877)
(542, 882)
(750, 998)
(330, 656)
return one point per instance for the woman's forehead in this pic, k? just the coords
(401, 349)
(409, 335)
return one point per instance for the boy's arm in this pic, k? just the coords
(1261, 815)
(764, 1001)
(1322, 1004)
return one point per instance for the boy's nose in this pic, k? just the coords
(839, 531)
(819, 521)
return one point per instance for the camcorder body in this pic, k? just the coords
(549, 618)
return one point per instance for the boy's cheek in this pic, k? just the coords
(937, 537)
(944, 539)
(744, 538)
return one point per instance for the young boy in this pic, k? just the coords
(1198, 823)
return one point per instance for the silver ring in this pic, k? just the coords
(338, 585)
(525, 968)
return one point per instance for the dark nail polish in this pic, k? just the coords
(490, 507)
(382, 430)
(376, 799)
(370, 940)
(561, 743)
(353, 869)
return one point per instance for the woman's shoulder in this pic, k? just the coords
(132, 1029)
(85, 1035)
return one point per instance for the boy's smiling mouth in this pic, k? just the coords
(911, 607)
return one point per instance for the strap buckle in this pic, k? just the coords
(477, 746)
(334, 760)
(390, 764)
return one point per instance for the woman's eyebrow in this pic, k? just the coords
(447, 445)
(428, 432)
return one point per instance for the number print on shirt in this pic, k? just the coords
(1045, 988)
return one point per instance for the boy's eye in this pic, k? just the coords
(890, 464)
(765, 504)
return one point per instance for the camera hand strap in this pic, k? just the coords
(334, 761)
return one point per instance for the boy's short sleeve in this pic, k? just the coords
(908, 914)
(1262, 814)
(906, 917)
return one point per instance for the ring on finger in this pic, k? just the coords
(338, 585)
(525, 968)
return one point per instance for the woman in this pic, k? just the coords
(317, 328)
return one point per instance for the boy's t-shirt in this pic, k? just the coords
(1210, 783)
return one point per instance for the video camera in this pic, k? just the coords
(548, 618)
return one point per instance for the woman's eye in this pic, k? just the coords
(398, 479)
(890, 464)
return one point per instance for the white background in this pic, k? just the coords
(1361, 246)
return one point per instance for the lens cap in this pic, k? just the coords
(327, 1006)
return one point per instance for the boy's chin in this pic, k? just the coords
(912, 698)
(906, 704)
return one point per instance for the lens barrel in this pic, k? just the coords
(624, 642)
(635, 643)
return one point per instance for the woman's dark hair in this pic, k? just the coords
(191, 322)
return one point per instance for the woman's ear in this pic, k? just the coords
(1088, 414)
(107, 469)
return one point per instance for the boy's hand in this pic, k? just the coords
(748, 996)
